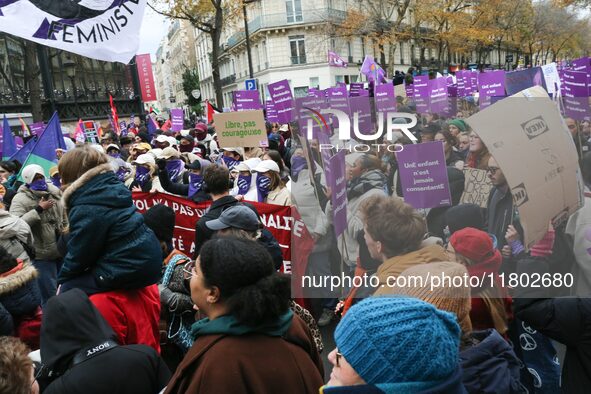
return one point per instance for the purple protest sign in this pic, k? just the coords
(355, 88)
(19, 141)
(283, 100)
(247, 100)
(362, 106)
(584, 65)
(177, 119)
(421, 93)
(576, 91)
(423, 175)
(438, 102)
(270, 111)
(384, 98)
(338, 98)
(491, 84)
(338, 187)
(409, 89)
(561, 77)
(308, 113)
(516, 81)
(37, 128)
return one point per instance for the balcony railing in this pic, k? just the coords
(228, 80)
(281, 20)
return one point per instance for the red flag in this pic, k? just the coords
(115, 116)
(79, 133)
(210, 111)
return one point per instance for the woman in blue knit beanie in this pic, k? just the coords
(396, 345)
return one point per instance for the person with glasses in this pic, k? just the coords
(395, 345)
(250, 341)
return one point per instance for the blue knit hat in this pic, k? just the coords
(399, 339)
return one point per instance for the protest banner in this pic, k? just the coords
(338, 98)
(355, 88)
(246, 129)
(438, 102)
(528, 138)
(423, 175)
(270, 111)
(246, 100)
(477, 187)
(421, 93)
(276, 218)
(583, 65)
(362, 106)
(490, 84)
(37, 128)
(307, 110)
(338, 187)
(517, 81)
(177, 119)
(576, 100)
(282, 97)
(384, 98)
(551, 78)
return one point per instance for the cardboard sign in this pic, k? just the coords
(477, 187)
(529, 140)
(423, 175)
(245, 128)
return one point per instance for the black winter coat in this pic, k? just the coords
(79, 346)
(180, 189)
(566, 320)
(204, 234)
(19, 297)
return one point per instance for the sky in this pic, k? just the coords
(154, 27)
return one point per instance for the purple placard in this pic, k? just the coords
(247, 100)
(583, 64)
(421, 93)
(355, 88)
(338, 187)
(19, 141)
(561, 77)
(283, 100)
(338, 98)
(37, 128)
(516, 81)
(384, 98)
(409, 89)
(423, 175)
(438, 102)
(362, 106)
(177, 119)
(576, 100)
(270, 111)
(307, 110)
(491, 84)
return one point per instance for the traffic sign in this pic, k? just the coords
(509, 58)
(196, 94)
(251, 84)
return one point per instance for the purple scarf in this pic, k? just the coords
(298, 163)
(56, 180)
(230, 163)
(195, 184)
(121, 174)
(142, 175)
(175, 168)
(244, 184)
(39, 185)
(263, 184)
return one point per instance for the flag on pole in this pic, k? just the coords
(114, 116)
(372, 70)
(43, 153)
(154, 109)
(151, 125)
(79, 133)
(210, 111)
(24, 127)
(24, 152)
(8, 142)
(335, 60)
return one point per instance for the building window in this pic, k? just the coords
(298, 49)
(294, 11)
(314, 82)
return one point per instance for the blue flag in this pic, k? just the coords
(24, 152)
(8, 142)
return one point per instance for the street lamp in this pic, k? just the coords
(70, 66)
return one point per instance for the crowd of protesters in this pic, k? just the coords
(106, 304)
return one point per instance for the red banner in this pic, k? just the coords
(144, 71)
(276, 218)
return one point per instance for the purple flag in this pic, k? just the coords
(384, 98)
(576, 91)
(423, 175)
(335, 60)
(177, 119)
(283, 100)
(247, 100)
(372, 70)
(338, 187)
(491, 84)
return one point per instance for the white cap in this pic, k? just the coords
(184, 133)
(267, 165)
(284, 127)
(146, 158)
(113, 146)
(172, 141)
(238, 150)
(69, 143)
(169, 152)
(248, 165)
(30, 171)
(162, 138)
(98, 148)
(156, 152)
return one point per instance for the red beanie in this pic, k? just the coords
(473, 244)
(543, 248)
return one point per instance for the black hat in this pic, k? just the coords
(143, 136)
(125, 140)
(196, 165)
(464, 215)
(188, 138)
(161, 220)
